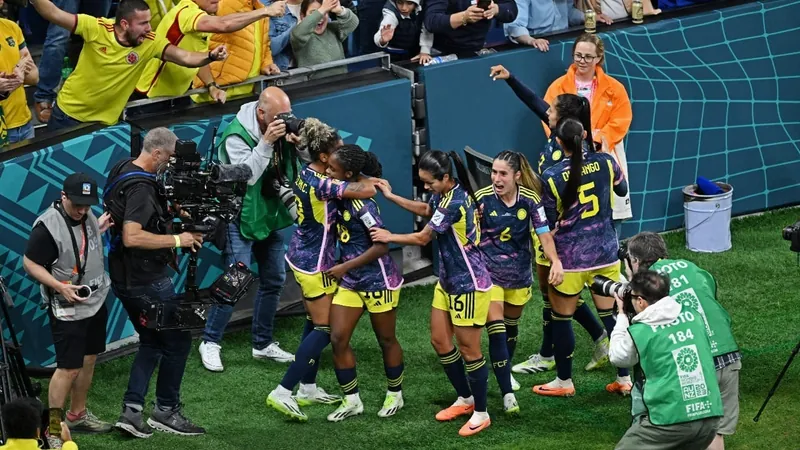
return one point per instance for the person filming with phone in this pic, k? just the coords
(460, 27)
(65, 255)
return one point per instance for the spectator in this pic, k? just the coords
(112, 59)
(157, 13)
(667, 5)
(317, 39)
(610, 106)
(22, 421)
(460, 27)
(55, 49)
(621, 9)
(280, 30)
(402, 29)
(541, 17)
(16, 69)
(187, 26)
(249, 53)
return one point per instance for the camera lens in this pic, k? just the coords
(84, 292)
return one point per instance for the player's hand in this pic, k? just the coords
(387, 33)
(491, 12)
(384, 186)
(70, 293)
(271, 69)
(422, 58)
(276, 9)
(275, 130)
(219, 54)
(66, 436)
(219, 95)
(499, 73)
(337, 271)
(105, 222)
(556, 276)
(191, 240)
(473, 14)
(380, 235)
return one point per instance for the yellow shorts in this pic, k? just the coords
(575, 281)
(375, 302)
(466, 310)
(518, 297)
(316, 285)
(539, 257)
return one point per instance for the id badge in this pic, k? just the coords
(63, 312)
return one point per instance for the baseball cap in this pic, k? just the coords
(81, 189)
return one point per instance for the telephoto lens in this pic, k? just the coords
(607, 287)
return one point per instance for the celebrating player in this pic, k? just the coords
(310, 254)
(565, 105)
(510, 212)
(461, 299)
(369, 279)
(578, 200)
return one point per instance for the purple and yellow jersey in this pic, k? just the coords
(353, 222)
(506, 235)
(462, 268)
(584, 234)
(313, 246)
(551, 155)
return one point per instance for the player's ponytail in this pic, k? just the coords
(463, 176)
(570, 132)
(355, 160)
(519, 163)
(575, 106)
(372, 167)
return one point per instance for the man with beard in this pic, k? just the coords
(114, 55)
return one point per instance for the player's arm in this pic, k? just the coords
(419, 208)
(620, 183)
(54, 15)
(236, 21)
(420, 238)
(376, 251)
(181, 57)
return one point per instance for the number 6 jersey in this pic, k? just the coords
(584, 234)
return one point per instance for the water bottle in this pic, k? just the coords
(590, 21)
(441, 59)
(65, 69)
(637, 12)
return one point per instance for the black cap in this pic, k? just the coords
(81, 189)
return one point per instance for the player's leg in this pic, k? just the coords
(469, 342)
(498, 350)
(384, 325)
(345, 312)
(451, 359)
(543, 360)
(584, 316)
(605, 309)
(564, 299)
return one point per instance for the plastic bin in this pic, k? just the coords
(708, 219)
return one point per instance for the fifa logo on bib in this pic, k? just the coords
(690, 373)
(689, 299)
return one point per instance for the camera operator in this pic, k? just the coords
(65, 255)
(694, 286)
(258, 139)
(676, 402)
(138, 268)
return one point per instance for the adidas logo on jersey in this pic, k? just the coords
(493, 214)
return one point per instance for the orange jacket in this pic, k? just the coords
(611, 107)
(241, 46)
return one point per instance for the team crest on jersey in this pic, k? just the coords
(10, 41)
(132, 58)
(521, 214)
(103, 50)
(346, 216)
(556, 155)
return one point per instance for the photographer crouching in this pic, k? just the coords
(676, 401)
(141, 250)
(259, 138)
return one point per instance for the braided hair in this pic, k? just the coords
(356, 160)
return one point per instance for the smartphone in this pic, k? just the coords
(484, 4)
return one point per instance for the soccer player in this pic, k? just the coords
(369, 279)
(311, 253)
(461, 299)
(113, 57)
(565, 105)
(511, 211)
(578, 200)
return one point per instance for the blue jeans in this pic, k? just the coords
(59, 120)
(168, 350)
(20, 133)
(269, 255)
(55, 46)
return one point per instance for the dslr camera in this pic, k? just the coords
(792, 234)
(609, 288)
(294, 125)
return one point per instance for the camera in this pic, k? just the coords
(293, 124)
(608, 288)
(792, 234)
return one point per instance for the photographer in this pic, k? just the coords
(65, 255)
(257, 139)
(141, 250)
(676, 402)
(691, 285)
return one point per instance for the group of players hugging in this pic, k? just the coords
(558, 216)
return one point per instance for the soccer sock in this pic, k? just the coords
(307, 357)
(311, 375)
(512, 331)
(584, 316)
(564, 340)
(454, 368)
(394, 377)
(55, 421)
(478, 375)
(607, 316)
(498, 353)
(347, 380)
(547, 329)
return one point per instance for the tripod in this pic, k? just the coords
(777, 382)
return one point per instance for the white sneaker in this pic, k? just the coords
(510, 405)
(306, 396)
(210, 355)
(515, 386)
(392, 404)
(351, 406)
(274, 352)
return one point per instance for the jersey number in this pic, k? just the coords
(585, 196)
(344, 235)
(505, 236)
(299, 205)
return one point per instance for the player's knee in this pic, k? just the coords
(440, 344)
(387, 341)
(339, 341)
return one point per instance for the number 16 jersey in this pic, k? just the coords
(584, 235)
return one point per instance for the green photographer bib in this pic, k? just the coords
(694, 287)
(680, 383)
(260, 215)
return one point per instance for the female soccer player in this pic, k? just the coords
(369, 279)
(311, 253)
(578, 199)
(461, 299)
(511, 211)
(565, 105)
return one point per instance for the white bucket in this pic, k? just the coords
(708, 219)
